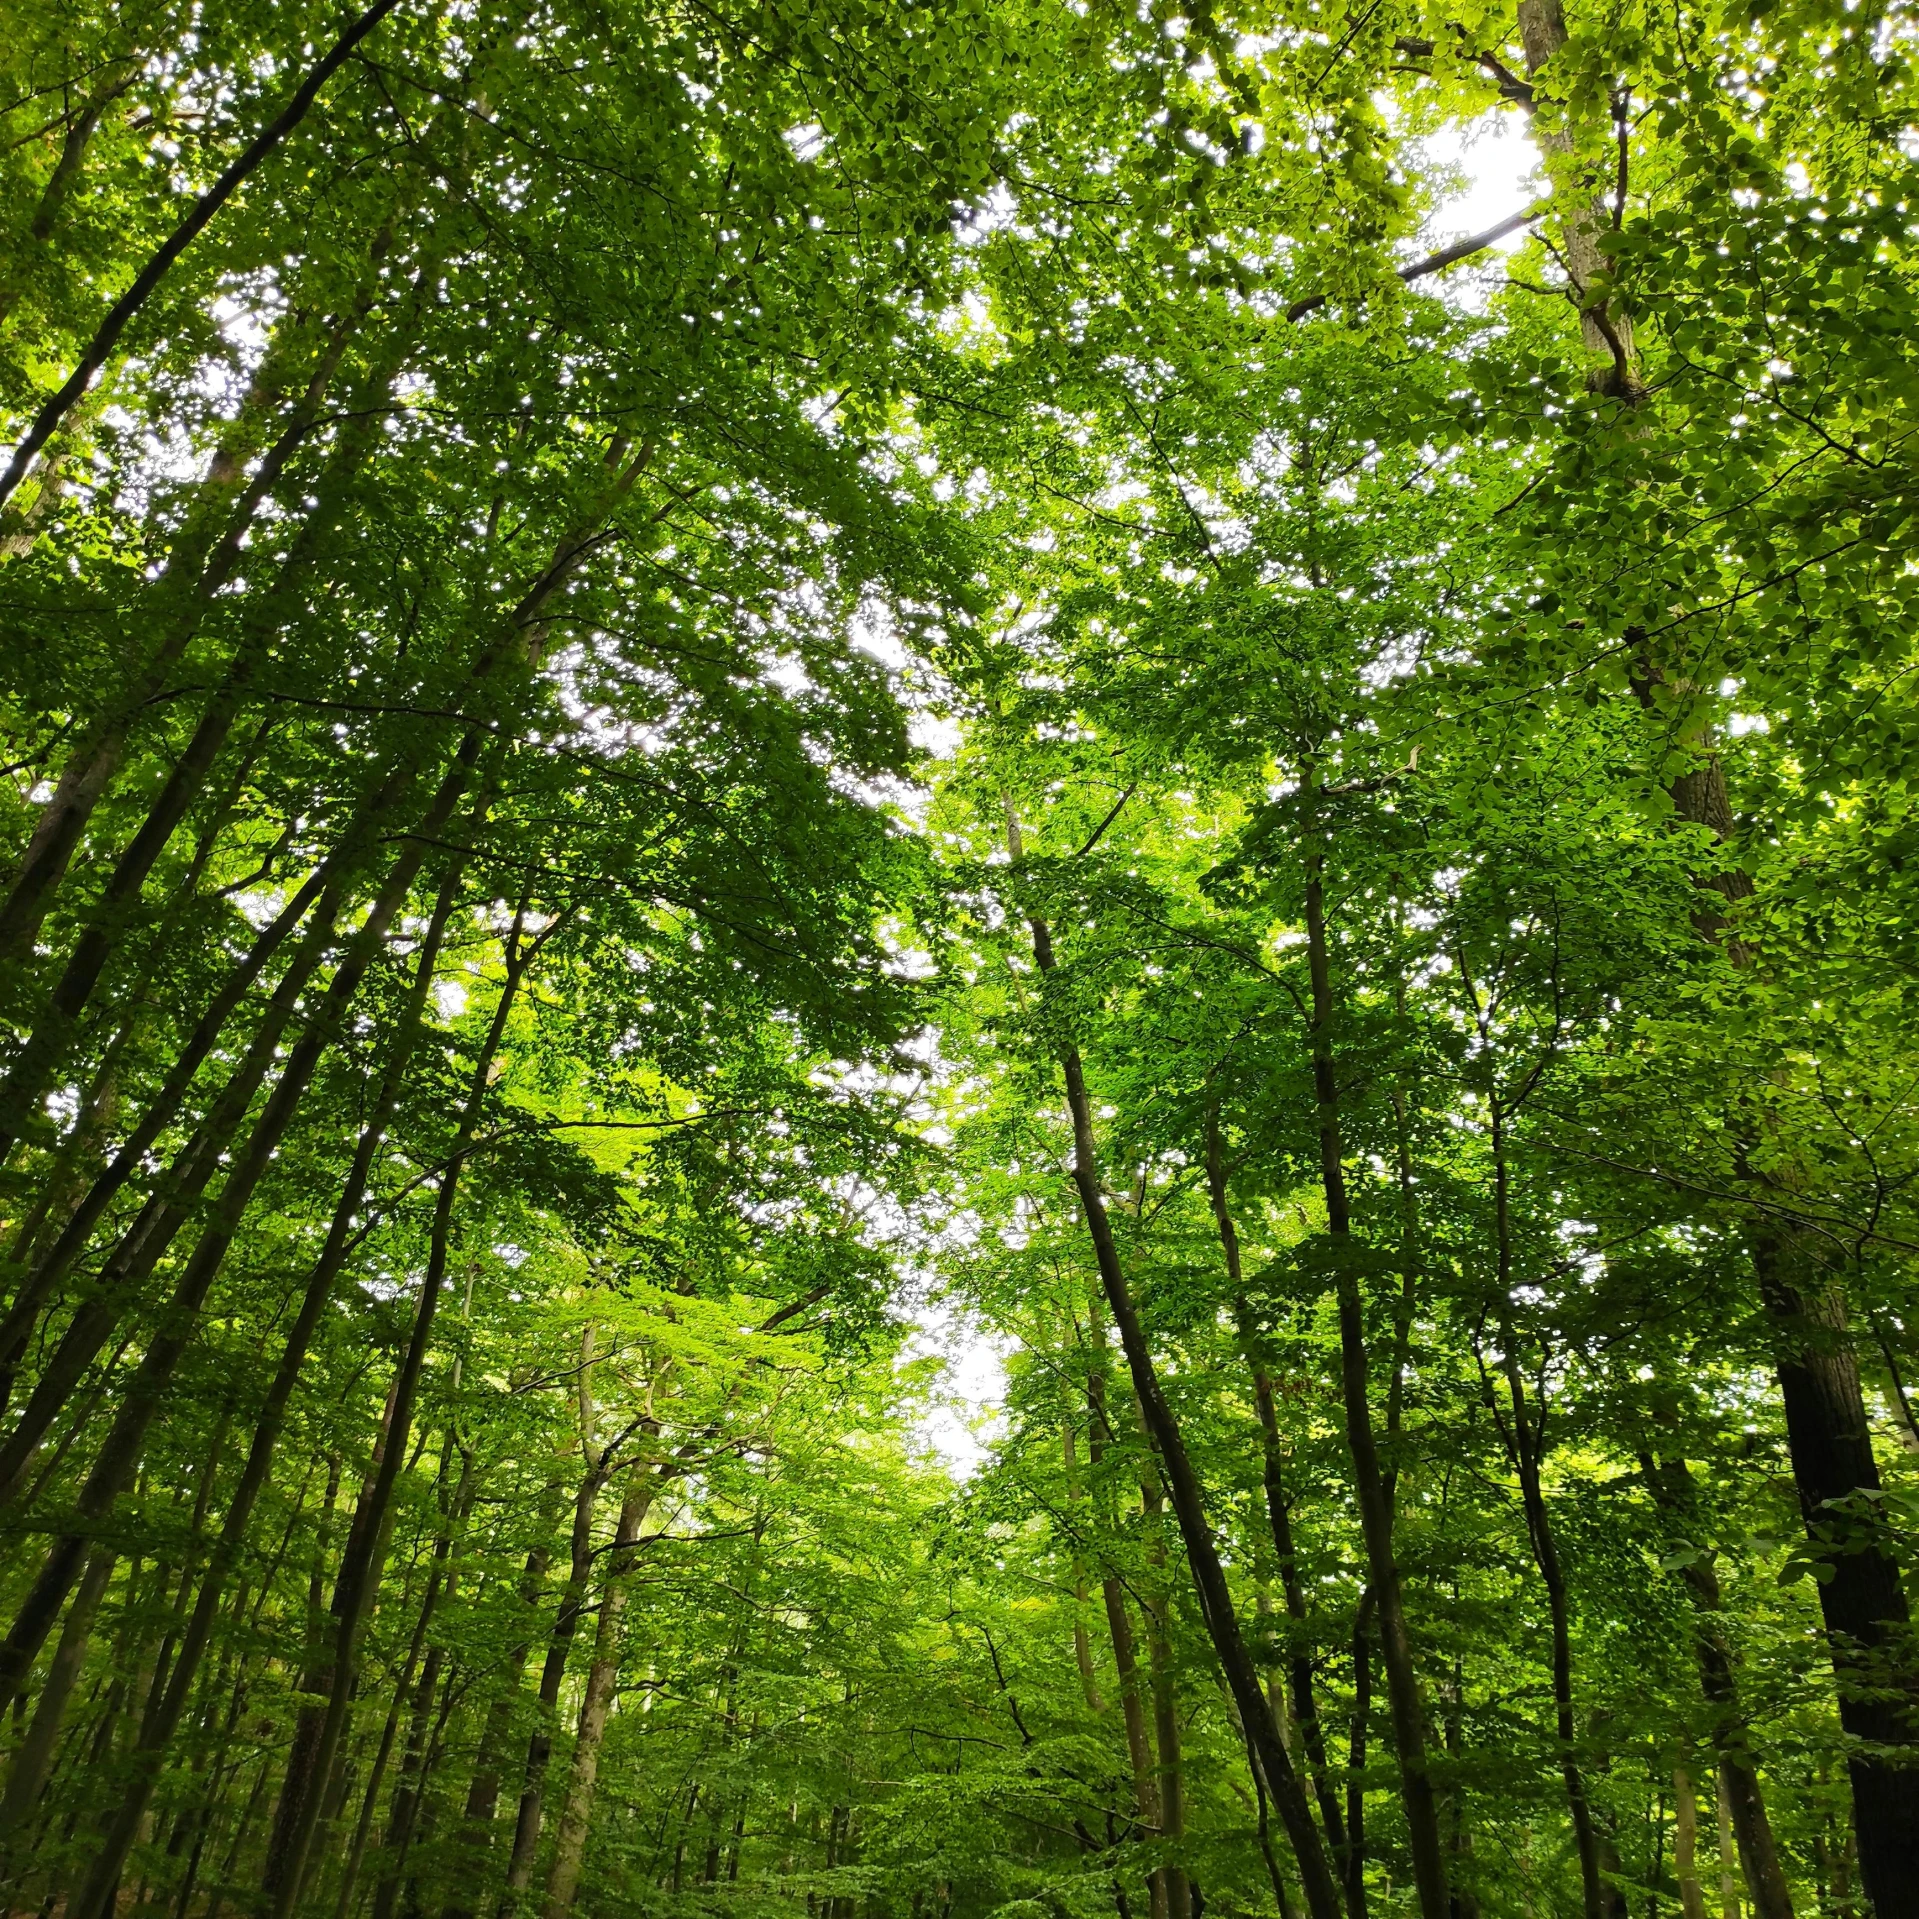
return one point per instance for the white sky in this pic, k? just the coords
(1499, 163)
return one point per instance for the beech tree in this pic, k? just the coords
(690, 690)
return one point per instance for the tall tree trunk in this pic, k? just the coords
(120, 1452)
(1356, 1900)
(1598, 1895)
(1525, 1443)
(1685, 1846)
(596, 1705)
(161, 1724)
(1728, 1856)
(1305, 1707)
(1863, 1601)
(311, 1763)
(33, 1761)
(1082, 1640)
(530, 1813)
(1542, 32)
(1182, 1482)
(1407, 1709)
(1671, 1485)
(1119, 1632)
(51, 1267)
(483, 1790)
(107, 335)
(1166, 1738)
(109, 86)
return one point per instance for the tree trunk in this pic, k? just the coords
(1673, 1493)
(569, 1853)
(1863, 1602)
(1685, 1846)
(1356, 1901)
(176, 243)
(566, 1623)
(34, 1759)
(157, 1733)
(1082, 1641)
(1407, 1710)
(353, 1593)
(1178, 1894)
(483, 1790)
(120, 1452)
(1305, 1707)
(1525, 1443)
(71, 1242)
(1188, 1499)
(1728, 1857)
(1119, 1631)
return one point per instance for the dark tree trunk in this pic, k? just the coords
(1370, 1487)
(1183, 1486)
(1863, 1603)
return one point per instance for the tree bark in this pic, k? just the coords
(1119, 1632)
(1685, 1846)
(1671, 1485)
(1178, 1892)
(1355, 1863)
(1525, 1443)
(157, 1733)
(34, 1760)
(483, 1789)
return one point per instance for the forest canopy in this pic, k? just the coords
(701, 697)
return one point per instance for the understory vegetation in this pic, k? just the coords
(703, 698)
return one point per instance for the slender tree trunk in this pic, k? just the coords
(312, 1762)
(1671, 1485)
(1459, 1841)
(100, 348)
(1356, 1900)
(1728, 1858)
(157, 1733)
(1305, 1708)
(1542, 31)
(34, 1759)
(1082, 1641)
(1685, 1846)
(409, 1792)
(1600, 1899)
(120, 1452)
(1119, 1631)
(1188, 1500)
(1525, 1443)
(530, 1814)
(53, 1266)
(1159, 1652)
(596, 1707)
(1407, 1710)
(517, 637)
(483, 1790)
(111, 86)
